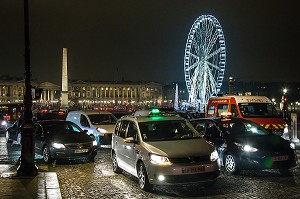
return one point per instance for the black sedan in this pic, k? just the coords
(63, 140)
(242, 144)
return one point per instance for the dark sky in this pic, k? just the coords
(145, 39)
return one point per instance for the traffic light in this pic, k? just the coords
(285, 99)
(37, 93)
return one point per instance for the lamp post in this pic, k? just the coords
(27, 165)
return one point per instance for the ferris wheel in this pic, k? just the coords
(204, 60)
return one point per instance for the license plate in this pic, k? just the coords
(280, 158)
(81, 150)
(193, 169)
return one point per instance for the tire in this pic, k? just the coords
(231, 164)
(143, 178)
(46, 155)
(115, 165)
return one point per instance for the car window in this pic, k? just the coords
(212, 130)
(167, 130)
(123, 128)
(59, 128)
(75, 128)
(84, 121)
(97, 119)
(132, 130)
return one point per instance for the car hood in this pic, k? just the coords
(70, 138)
(268, 142)
(180, 148)
(109, 127)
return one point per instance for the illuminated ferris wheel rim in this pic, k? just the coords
(205, 56)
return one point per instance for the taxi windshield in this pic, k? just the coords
(258, 110)
(167, 130)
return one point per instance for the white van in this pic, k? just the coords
(99, 124)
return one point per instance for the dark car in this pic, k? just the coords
(242, 144)
(63, 140)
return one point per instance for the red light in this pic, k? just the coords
(285, 99)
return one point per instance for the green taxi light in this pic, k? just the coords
(154, 111)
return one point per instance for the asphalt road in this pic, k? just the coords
(97, 180)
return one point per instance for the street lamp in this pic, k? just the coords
(27, 165)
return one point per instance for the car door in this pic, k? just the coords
(129, 150)
(85, 125)
(118, 143)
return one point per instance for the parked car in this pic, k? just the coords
(99, 124)
(162, 150)
(63, 140)
(243, 144)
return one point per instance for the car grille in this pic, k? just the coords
(192, 177)
(74, 146)
(194, 159)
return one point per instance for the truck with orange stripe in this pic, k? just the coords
(259, 109)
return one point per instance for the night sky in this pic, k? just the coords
(144, 40)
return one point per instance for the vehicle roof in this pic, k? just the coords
(52, 121)
(219, 120)
(245, 98)
(153, 118)
(91, 112)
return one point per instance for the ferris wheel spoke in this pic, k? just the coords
(214, 53)
(212, 41)
(212, 65)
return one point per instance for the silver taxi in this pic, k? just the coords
(162, 150)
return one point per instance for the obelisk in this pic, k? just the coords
(64, 80)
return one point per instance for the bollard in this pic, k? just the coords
(293, 134)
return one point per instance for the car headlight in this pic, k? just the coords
(94, 143)
(159, 160)
(214, 156)
(286, 129)
(101, 130)
(249, 148)
(3, 123)
(58, 146)
(246, 147)
(292, 145)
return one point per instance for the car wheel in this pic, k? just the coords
(46, 155)
(115, 165)
(143, 178)
(231, 165)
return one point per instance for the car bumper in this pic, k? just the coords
(68, 154)
(183, 173)
(258, 161)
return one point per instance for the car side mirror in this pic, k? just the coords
(129, 140)
(85, 131)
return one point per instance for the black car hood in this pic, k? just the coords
(69, 138)
(267, 142)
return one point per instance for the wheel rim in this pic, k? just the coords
(230, 163)
(142, 176)
(46, 154)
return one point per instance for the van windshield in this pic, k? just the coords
(97, 119)
(258, 110)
